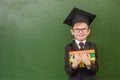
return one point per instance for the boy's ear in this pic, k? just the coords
(72, 32)
(89, 31)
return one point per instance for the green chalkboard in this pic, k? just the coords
(32, 37)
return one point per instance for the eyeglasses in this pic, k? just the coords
(82, 30)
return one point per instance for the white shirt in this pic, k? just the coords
(78, 42)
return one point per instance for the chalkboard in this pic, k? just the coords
(32, 38)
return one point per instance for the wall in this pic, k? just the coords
(32, 37)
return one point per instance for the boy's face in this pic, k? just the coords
(80, 31)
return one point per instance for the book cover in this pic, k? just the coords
(91, 52)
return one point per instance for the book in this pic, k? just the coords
(91, 52)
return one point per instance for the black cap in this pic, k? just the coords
(77, 15)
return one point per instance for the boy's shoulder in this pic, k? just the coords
(73, 42)
(69, 44)
(87, 43)
(90, 43)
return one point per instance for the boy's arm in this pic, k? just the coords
(68, 68)
(93, 68)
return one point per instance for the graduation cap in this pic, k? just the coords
(77, 15)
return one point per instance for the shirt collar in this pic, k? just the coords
(77, 42)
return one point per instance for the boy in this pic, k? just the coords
(80, 21)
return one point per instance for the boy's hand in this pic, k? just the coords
(85, 58)
(76, 60)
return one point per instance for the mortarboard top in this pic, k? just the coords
(77, 15)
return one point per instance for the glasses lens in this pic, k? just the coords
(82, 30)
